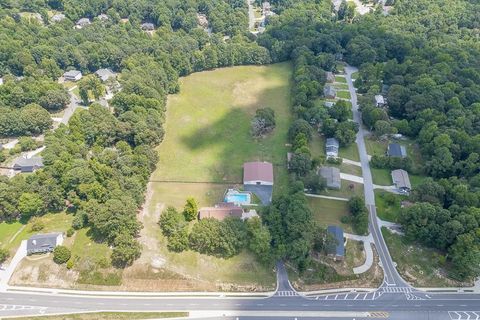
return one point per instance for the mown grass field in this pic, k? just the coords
(344, 95)
(208, 125)
(350, 152)
(52, 222)
(207, 141)
(329, 212)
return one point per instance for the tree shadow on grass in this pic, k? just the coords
(232, 134)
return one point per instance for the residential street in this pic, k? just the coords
(391, 276)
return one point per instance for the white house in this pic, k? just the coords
(43, 243)
(331, 148)
(72, 75)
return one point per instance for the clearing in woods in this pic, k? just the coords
(207, 141)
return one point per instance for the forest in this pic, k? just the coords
(424, 54)
(427, 56)
(98, 166)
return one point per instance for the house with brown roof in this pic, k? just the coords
(221, 211)
(258, 179)
(258, 173)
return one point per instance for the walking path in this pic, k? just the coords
(325, 197)
(351, 177)
(367, 245)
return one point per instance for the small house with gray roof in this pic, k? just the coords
(331, 176)
(28, 164)
(330, 77)
(83, 22)
(43, 243)
(72, 75)
(329, 92)
(105, 74)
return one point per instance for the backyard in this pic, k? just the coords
(207, 141)
(329, 212)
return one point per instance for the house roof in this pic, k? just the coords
(329, 90)
(58, 17)
(83, 21)
(400, 179)
(332, 176)
(332, 142)
(396, 150)
(147, 26)
(255, 171)
(72, 74)
(221, 211)
(337, 232)
(379, 99)
(102, 17)
(104, 74)
(41, 241)
(29, 162)
(330, 76)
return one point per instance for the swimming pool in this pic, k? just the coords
(239, 198)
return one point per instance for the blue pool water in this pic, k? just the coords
(238, 198)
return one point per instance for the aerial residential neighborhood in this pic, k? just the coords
(250, 159)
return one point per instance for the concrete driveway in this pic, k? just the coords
(6, 274)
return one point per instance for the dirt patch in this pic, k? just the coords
(43, 273)
(370, 279)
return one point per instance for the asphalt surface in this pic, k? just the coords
(395, 299)
(391, 276)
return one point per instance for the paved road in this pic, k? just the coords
(391, 276)
(70, 110)
(404, 305)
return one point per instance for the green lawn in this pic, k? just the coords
(110, 316)
(355, 75)
(7, 231)
(84, 247)
(344, 95)
(208, 124)
(351, 169)
(340, 67)
(329, 212)
(382, 177)
(388, 205)
(341, 86)
(53, 222)
(350, 152)
(346, 190)
(421, 266)
(340, 79)
(317, 145)
(207, 140)
(375, 147)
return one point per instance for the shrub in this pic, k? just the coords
(190, 210)
(70, 232)
(61, 254)
(3, 255)
(37, 225)
(69, 264)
